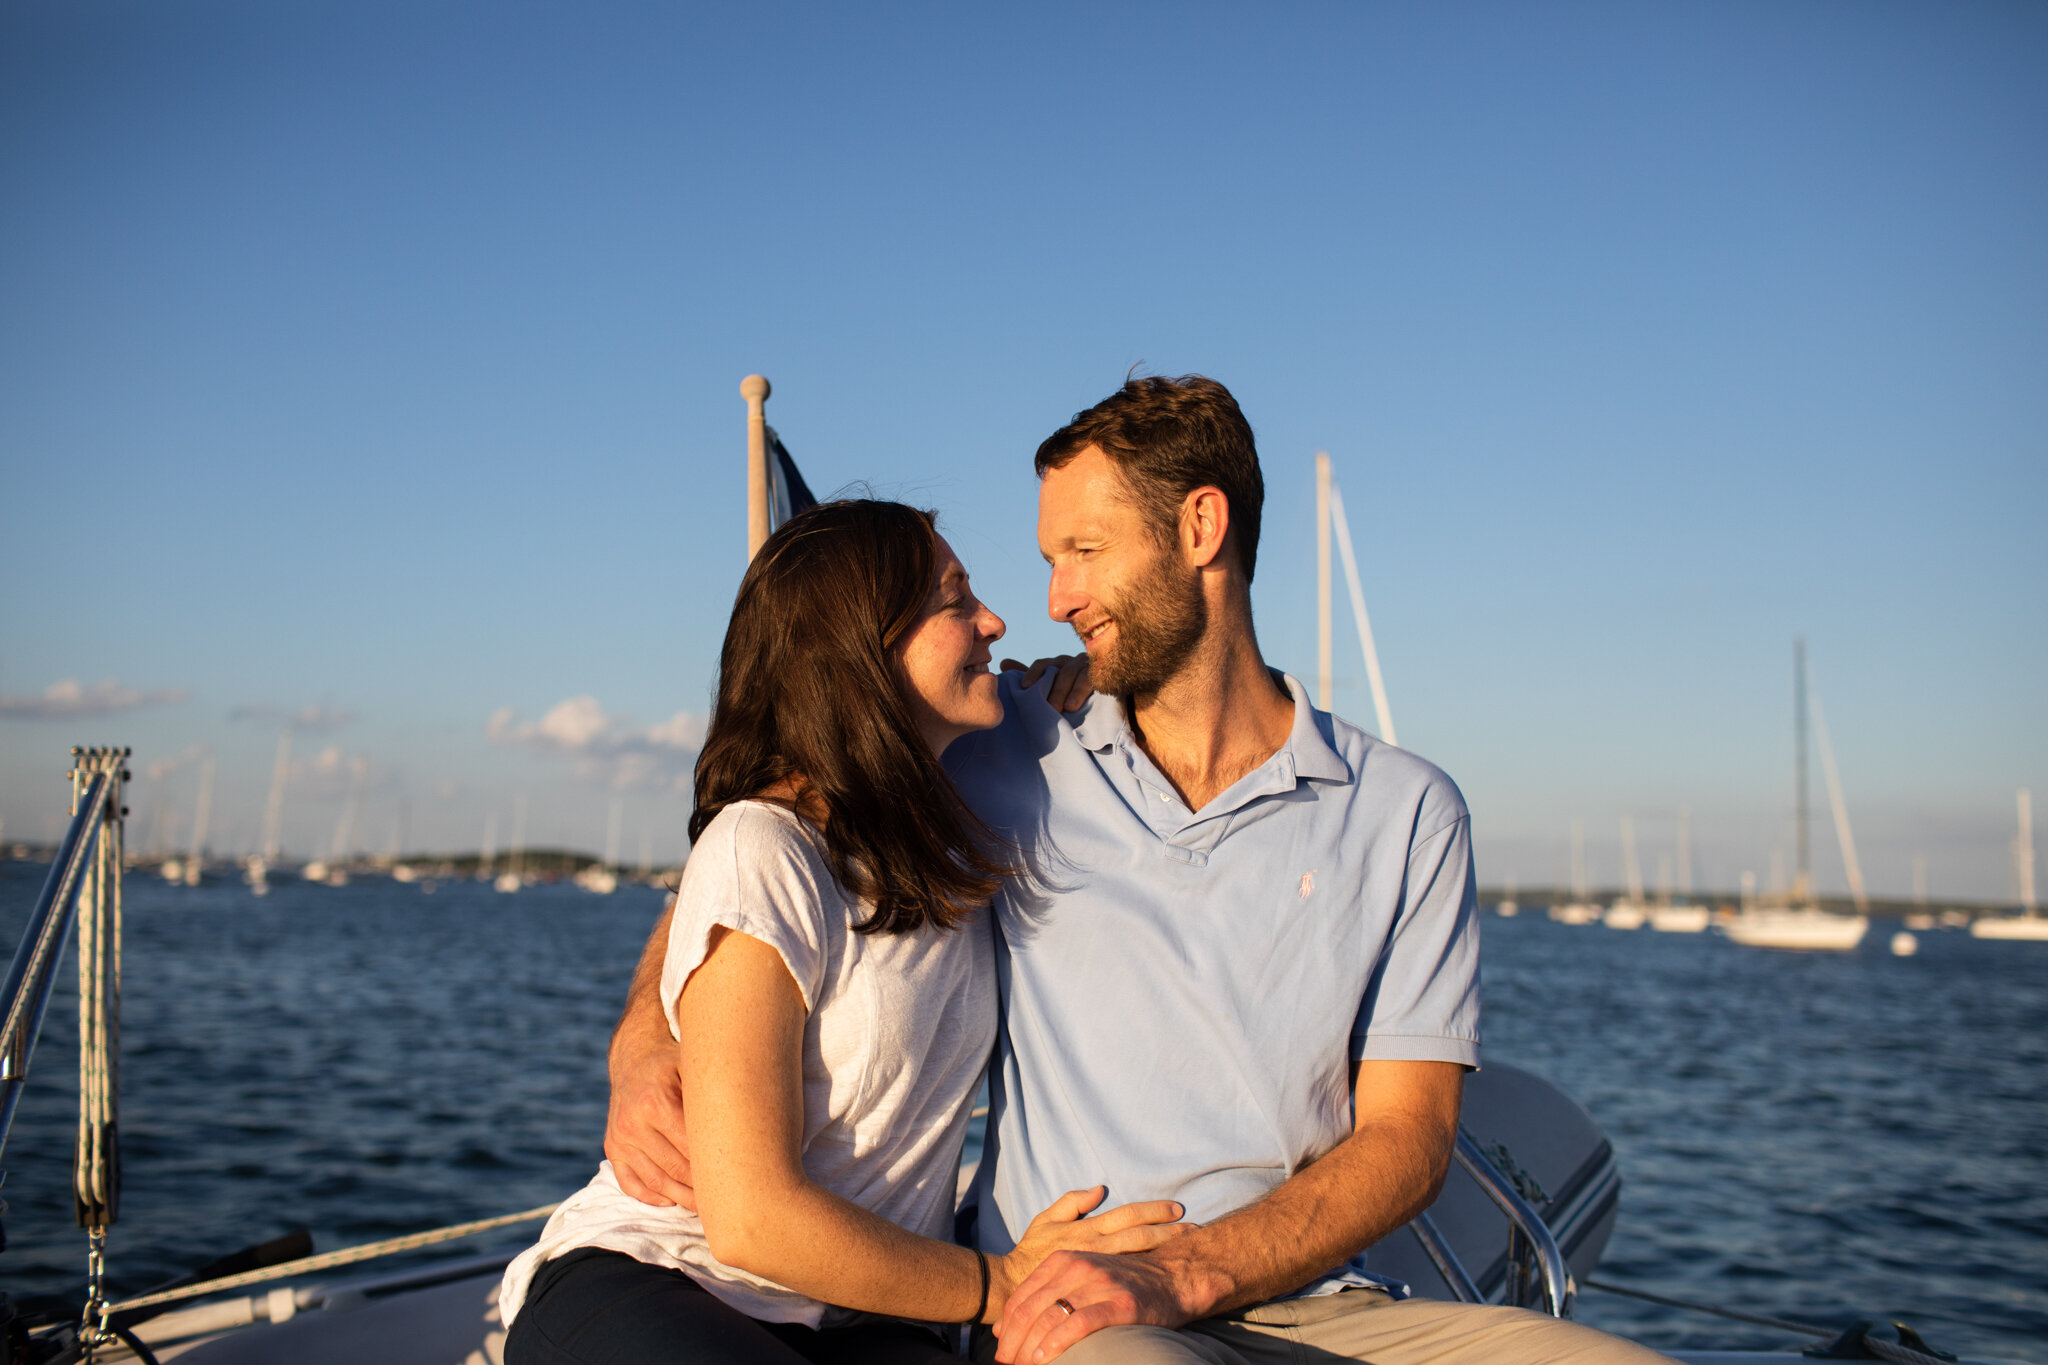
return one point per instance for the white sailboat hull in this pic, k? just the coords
(1800, 930)
(1625, 915)
(1680, 919)
(2034, 927)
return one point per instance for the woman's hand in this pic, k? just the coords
(1070, 686)
(1064, 1227)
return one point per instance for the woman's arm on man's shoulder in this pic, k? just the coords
(1070, 686)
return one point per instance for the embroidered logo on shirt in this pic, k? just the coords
(1308, 883)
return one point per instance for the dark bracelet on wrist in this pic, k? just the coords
(981, 1259)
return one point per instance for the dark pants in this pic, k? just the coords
(596, 1307)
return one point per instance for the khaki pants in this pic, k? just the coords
(1362, 1325)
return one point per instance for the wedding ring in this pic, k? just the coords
(1064, 1306)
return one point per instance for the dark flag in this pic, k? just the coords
(788, 494)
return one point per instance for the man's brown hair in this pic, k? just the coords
(1168, 437)
(807, 690)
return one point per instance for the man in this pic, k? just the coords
(1241, 971)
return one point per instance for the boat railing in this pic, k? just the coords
(1538, 1276)
(83, 886)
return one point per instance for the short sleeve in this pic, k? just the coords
(1422, 1004)
(754, 870)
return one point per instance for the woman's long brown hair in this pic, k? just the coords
(807, 690)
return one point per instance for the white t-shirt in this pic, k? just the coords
(898, 1031)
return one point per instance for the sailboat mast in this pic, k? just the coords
(273, 809)
(1323, 679)
(1631, 870)
(1802, 878)
(754, 388)
(519, 836)
(1685, 854)
(199, 819)
(2023, 850)
(345, 832)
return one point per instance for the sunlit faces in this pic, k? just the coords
(945, 659)
(1137, 606)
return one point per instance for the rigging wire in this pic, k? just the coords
(1884, 1350)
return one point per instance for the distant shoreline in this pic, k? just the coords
(548, 864)
(1880, 907)
(543, 863)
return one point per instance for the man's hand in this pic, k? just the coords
(1070, 685)
(1102, 1291)
(644, 1137)
(1404, 1123)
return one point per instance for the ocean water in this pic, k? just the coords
(1815, 1137)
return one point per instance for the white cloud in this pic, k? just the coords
(69, 699)
(603, 748)
(575, 724)
(307, 720)
(683, 730)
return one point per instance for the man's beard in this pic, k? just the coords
(1159, 619)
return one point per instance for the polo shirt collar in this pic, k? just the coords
(1313, 756)
(1103, 723)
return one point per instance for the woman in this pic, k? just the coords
(831, 969)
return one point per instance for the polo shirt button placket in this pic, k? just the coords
(1164, 824)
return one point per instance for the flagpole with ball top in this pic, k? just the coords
(754, 388)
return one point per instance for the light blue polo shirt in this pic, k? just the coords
(1183, 991)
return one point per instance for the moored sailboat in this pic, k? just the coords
(602, 879)
(1628, 911)
(1580, 909)
(2030, 923)
(514, 877)
(1798, 923)
(1681, 916)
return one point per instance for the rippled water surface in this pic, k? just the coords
(1815, 1137)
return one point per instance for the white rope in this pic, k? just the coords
(1358, 616)
(347, 1256)
(99, 1004)
(369, 1251)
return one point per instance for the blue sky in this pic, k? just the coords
(378, 365)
